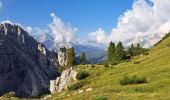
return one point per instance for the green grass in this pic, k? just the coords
(76, 86)
(129, 80)
(105, 81)
(100, 98)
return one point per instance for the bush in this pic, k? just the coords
(128, 80)
(136, 62)
(76, 86)
(82, 75)
(146, 53)
(62, 68)
(92, 66)
(106, 65)
(100, 98)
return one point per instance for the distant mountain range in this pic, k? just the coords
(93, 54)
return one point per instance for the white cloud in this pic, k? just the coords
(98, 36)
(62, 31)
(145, 22)
(29, 29)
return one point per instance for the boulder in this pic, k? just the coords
(61, 83)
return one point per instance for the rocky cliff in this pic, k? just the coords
(26, 67)
(62, 56)
(61, 83)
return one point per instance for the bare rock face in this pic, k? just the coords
(26, 67)
(62, 56)
(63, 81)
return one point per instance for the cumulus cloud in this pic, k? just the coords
(144, 22)
(98, 36)
(29, 29)
(62, 31)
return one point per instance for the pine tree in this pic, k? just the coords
(83, 58)
(131, 50)
(119, 52)
(70, 57)
(137, 50)
(111, 50)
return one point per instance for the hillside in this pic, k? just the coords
(105, 81)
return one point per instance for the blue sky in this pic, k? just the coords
(86, 15)
(92, 20)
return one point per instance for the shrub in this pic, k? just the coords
(100, 98)
(115, 63)
(128, 80)
(146, 53)
(106, 65)
(142, 90)
(62, 68)
(92, 66)
(136, 62)
(76, 86)
(82, 75)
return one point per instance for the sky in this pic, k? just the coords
(86, 15)
(99, 21)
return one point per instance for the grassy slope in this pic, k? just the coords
(105, 81)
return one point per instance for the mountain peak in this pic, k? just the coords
(25, 65)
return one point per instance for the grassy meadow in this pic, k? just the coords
(105, 81)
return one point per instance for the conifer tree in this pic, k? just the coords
(119, 52)
(131, 50)
(70, 57)
(111, 50)
(83, 58)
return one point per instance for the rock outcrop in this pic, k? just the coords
(26, 67)
(62, 56)
(61, 83)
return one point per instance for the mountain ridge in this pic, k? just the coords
(25, 65)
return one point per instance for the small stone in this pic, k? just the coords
(80, 91)
(89, 89)
(68, 95)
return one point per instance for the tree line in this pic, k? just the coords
(117, 53)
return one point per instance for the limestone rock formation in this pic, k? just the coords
(26, 67)
(63, 81)
(62, 56)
